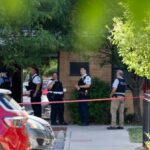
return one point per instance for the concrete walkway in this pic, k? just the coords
(98, 138)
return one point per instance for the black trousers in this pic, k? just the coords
(83, 109)
(36, 107)
(57, 110)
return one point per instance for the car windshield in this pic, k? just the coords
(11, 102)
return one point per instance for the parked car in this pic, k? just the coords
(40, 133)
(13, 123)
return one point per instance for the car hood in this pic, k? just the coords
(42, 121)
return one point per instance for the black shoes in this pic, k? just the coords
(84, 124)
(111, 128)
(115, 128)
(120, 127)
(63, 123)
(56, 124)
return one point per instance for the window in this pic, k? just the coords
(75, 68)
(5, 102)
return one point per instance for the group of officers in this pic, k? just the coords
(56, 93)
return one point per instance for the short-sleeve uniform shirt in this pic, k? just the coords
(36, 79)
(87, 79)
(115, 83)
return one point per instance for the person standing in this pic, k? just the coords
(5, 82)
(35, 87)
(55, 93)
(83, 87)
(118, 91)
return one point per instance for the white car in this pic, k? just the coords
(26, 99)
(40, 133)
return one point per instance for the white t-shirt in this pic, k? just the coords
(36, 79)
(87, 80)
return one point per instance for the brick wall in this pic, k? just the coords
(96, 70)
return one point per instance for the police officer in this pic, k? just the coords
(4, 79)
(118, 91)
(55, 93)
(35, 87)
(83, 90)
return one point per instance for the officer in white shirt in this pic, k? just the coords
(35, 87)
(83, 87)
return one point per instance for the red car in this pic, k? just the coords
(13, 134)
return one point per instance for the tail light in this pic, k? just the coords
(15, 122)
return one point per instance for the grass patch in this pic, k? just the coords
(136, 135)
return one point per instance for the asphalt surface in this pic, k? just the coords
(58, 144)
(97, 137)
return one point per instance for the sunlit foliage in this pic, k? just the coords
(133, 42)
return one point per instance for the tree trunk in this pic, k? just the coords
(137, 105)
(136, 85)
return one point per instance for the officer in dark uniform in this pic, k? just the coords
(83, 90)
(35, 87)
(55, 93)
(4, 79)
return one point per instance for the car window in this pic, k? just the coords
(12, 102)
(5, 103)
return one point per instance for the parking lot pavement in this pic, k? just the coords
(58, 145)
(98, 138)
(60, 133)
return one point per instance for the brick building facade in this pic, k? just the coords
(93, 62)
(95, 70)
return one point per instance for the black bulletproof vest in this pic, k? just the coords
(33, 85)
(81, 82)
(6, 83)
(121, 86)
(57, 87)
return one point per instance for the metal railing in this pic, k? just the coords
(146, 122)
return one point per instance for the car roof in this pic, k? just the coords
(4, 91)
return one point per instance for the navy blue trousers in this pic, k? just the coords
(57, 110)
(83, 110)
(36, 107)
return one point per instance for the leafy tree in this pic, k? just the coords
(89, 21)
(33, 29)
(131, 39)
(52, 66)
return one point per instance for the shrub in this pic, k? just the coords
(99, 111)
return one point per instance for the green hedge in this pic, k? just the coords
(99, 111)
